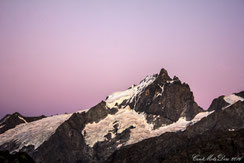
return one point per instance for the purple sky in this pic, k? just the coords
(62, 56)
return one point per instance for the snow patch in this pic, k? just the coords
(159, 94)
(120, 145)
(94, 132)
(170, 81)
(141, 87)
(130, 94)
(119, 97)
(127, 117)
(22, 119)
(141, 133)
(200, 116)
(33, 133)
(231, 99)
(162, 89)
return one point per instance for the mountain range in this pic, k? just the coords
(155, 121)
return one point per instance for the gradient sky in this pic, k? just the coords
(62, 56)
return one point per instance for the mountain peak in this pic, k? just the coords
(159, 111)
(163, 71)
(163, 75)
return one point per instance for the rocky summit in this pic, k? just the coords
(154, 121)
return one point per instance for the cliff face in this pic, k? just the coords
(168, 99)
(156, 120)
(220, 136)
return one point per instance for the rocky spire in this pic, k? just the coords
(163, 75)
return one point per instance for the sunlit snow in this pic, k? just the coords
(33, 133)
(22, 119)
(231, 99)
(130, 94)
(119, 97)
(127, 117)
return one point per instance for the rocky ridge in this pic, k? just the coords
(11, 121)
(133, 125)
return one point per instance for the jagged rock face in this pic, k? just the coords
(241, 94)
(157, 95)
(66, 144)
(98, 112)
(221, 145)
(178, 148)
(69, 144)
(219, 133)
(166, 98)
(10, 121)
(218, 103)
(152, 121)
(224, 101)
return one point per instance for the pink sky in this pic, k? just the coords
(62, 56)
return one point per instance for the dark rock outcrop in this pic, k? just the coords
(166, 98)
(163, 101)
(241, 94)
(179, 148)
(98, 112)
(10, 121)
(20, 157)
(69, 144)
(218, 103)
(222, 132)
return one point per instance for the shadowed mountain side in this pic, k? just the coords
(219, 133)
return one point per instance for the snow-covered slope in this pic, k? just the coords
(132, 93)
(157, 105)
(231, 99)
(33, 133)
(127, 117)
